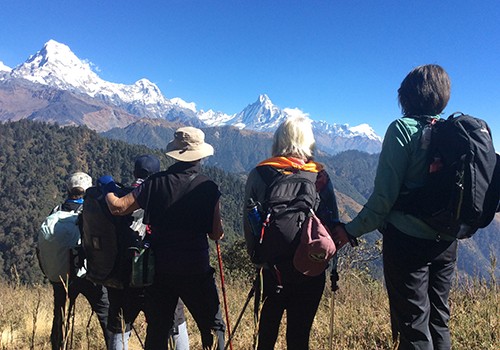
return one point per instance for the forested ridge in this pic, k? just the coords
(35, 160)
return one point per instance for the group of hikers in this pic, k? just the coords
(181, 209)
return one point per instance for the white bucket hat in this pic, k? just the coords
(189, 145)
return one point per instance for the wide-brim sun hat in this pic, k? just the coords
(189, 145)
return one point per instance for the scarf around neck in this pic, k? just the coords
(292, 164)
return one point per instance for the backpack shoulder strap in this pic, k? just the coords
(268, 174)
(56, 209)
(79, 209)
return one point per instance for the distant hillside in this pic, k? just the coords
(353, 172)
(480, 255)
(21, 99)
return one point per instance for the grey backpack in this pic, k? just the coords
(59, 235)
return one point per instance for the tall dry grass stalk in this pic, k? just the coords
(360, 317)
(36, 310)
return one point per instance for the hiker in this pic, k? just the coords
(96, 295)
(182, 208)
(284, 287)
(419, 262)
(125, 304)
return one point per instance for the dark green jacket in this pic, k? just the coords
(402, 162)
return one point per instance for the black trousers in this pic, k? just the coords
(418, 275)
(300, 300)
(97, 297)
(199, 294)
(126, 304)
(124, 307)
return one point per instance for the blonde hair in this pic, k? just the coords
(294, 138)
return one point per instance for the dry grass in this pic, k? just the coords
(361, 317)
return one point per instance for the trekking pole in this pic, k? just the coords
(249, 297)
(332, 318)
(259, 302)
(137, 335)
(72, 324)
(219, 257)
(334, 277)
(87, 329)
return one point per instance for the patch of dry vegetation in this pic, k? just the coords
(360, 317)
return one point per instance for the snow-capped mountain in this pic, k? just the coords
(4, 68)
(345, 130)
(57, 67)
(262, 115)
(213, 118)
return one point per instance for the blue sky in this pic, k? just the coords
(339, 61)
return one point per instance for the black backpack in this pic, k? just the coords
(462, 188)
(290, 195)
(108, 241)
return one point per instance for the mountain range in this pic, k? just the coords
(54, 85)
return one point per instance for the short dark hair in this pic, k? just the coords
(424, 91)
(76, 193)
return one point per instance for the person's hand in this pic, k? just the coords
(341, 237)
(107, 184)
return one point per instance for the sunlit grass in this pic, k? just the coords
(360, 315)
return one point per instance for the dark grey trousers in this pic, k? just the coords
(97, 297)
(418, 275)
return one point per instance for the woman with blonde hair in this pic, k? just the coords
(286, 285)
